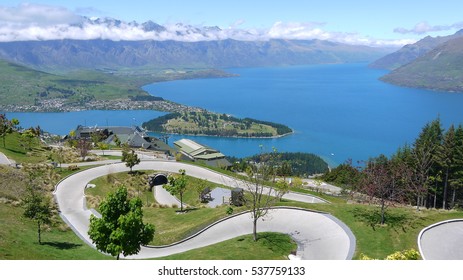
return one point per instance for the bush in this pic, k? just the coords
(229, 210)
(411, 254)
(404, 255)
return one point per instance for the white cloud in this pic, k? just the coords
(424, 27)
(38, 15)
(297, 31)
(42, 22)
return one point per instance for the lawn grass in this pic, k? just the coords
(18, 239)
(13, 150)
(270, 245)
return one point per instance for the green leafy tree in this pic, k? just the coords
(130, 158)
(103, 146)
(117, 141)
(58, 155)
(178, 185)
(120, 230)
(282, 188)
(28, 138)
(7, 127)
(37, 206)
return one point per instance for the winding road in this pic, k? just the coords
(442, 241)
(318, 235)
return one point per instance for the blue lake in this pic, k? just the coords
(337, 111)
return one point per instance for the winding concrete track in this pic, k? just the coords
(319, 235)
(442, 241)
(4, 160)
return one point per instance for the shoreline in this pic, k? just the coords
(219, 136)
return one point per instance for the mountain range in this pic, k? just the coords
(431, 63)
(68, 54)
(410, 52)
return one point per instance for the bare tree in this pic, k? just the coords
(260, 198)
(385, 183)
(83, 146)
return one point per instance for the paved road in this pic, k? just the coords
(324, 187)
(442, 241)
(4, 159)
(320, 236)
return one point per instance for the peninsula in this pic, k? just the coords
(214, 124)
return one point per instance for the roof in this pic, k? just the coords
(198, 151)
(189, 146)
(133, 135)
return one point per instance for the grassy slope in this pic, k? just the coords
(19, 239)
(22, 85)
(13, 150)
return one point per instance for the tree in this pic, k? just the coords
(117, 141)
(424, 159)
(28, 138)
(261, 198)
(120, 230)
(446, 157)
(177, 186)
(83, 146)
(103, 146)
(58, 155)
(282, 188)
(384, 182)
(37, 207)
(130, 158)
(457, 166)
(37, 204)
(7, 127)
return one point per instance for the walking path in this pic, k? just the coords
(319, 235)
(4, 160)
(442, 241)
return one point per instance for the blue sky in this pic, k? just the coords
(389, 20)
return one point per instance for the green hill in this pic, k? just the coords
(20, 85)
(440, 69)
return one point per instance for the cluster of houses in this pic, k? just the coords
(136, 137)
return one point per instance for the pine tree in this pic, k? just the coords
(457, 165)
(446, 158)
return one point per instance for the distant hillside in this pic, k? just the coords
(90, 54)
(25, 89)
(439, 69)
(411, 52)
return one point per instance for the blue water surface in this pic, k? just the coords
(339, 112)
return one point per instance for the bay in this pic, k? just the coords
(339, 112)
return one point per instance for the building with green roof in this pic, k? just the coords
(198, 152)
